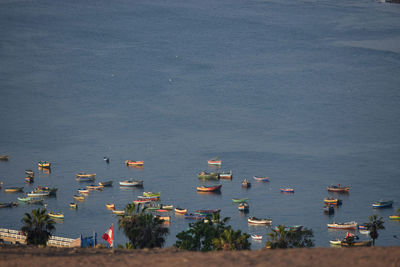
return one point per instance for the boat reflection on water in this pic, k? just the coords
(45, 170)
(209, 193)
(138, 167)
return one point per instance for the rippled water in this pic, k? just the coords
(305, 92)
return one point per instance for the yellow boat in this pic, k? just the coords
(119, 212)
(57, 215)
(85, 175)
(73, 205)
(44, 164)
(394, 217)
(110, 206)
(77, 197)
(13, 189)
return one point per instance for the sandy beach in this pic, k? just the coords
(30, 256)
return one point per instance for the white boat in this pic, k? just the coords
(256, 237)
(347, 225)
(131, 182)
(38, 194)
(364, 232)
(254, 220)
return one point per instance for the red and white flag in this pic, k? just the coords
(109, 236)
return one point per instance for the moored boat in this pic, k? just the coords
(13, 189)
(345, 226)
(243, 206)
(151, 194)
(382, 204)
(180, 211)
(85, 175)
(208, 175)
(110, 206)
(338, 188)
(163, 218)
(57, 215)
(332, 201)
(119, 212)
(149, 198)
(134, 162)
(106, 183)
(214, 161)
(79, 197)
(255, 220)
(131, 183)
(192, 216)
(83, 191)
(261, 179)
(226, 175)
(208, 212)
(94, 187)
(141, 201)
(336, 242)
(287, 190)
(394, 217)
(38, 194)
(239, 200)
(73, 205)
(52, 190)
(211, 188)
(246, 183)
(4, 157)
(24, 199)
(85, 179)
(256, 237)
(8, 205)
(29, 173)
(44, 164)
(364, 232)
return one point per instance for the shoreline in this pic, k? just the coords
(32, 256)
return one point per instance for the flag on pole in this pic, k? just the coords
(109, 236)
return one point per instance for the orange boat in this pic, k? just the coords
(134, 162)
(110, 206)
(213, 188)
(214, 161)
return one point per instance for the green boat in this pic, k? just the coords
(151, 194)
(239, 200)
(208, 175)
(24, 199)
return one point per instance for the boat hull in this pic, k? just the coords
(209, 188)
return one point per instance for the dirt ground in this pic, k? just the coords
(29, 256)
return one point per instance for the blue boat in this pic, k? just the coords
(383, 204)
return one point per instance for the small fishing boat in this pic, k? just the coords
(24, 199)
(29, 179)
(239, 200)
(73, 205)
(38, 194)
(13, 189)
(79, 197)
(163, 218)
(332, 201)
(52, 190)
(141, 201)
(214, 161)
(261, 179)
(226, 175)
(336, 242)
(134, 162)
(287, 190)
(357, 244)
(131, 183)
(344, 226)
(192, 216)
(57, 215)
(394, 217)
(151, 194)
(149, 198)
(338, 188)
(364, 232)
(180, 211)
(85, 175)
(254, 220)
(29, 173)
(85, 179)
(208, 175)
(329, 209)
(106, 183)
(94, 187)
(8, 205)
(151, 208)
(83, 191)
(119, 212)
(161, 210)
(246, 183)
(208, 212)
(44, 164)
(110, 206)
(382, 204)
(243, 206)
(166, 207)
(4, 157)
(210, 188)
(256, 237)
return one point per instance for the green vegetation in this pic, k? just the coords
(285, 238)
(37, 227)
(142, 229)
(373, 226)
(212, 234)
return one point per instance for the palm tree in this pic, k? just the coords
(373, 226)
(37, 227)
(143, 230)
(279, 238)
(287, 238)
(231, 240)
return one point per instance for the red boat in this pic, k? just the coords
(204, 188)
(214, 161)
(134, 162)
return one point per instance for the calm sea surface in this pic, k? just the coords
(305, 92)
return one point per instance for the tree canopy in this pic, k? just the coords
(37, 227)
